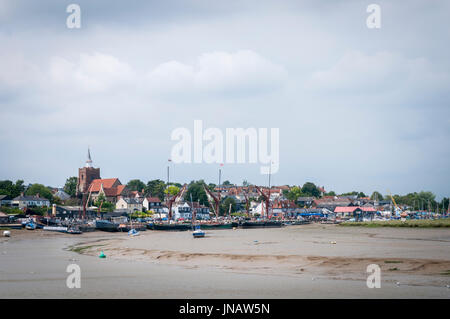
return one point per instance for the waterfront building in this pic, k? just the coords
(30, 201)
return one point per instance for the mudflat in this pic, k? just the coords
(307, 261)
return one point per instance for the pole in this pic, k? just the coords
(167, 195)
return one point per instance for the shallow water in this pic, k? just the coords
(33, 265)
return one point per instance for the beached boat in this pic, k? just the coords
(60, 229)
(218, 225)
(198, 233)
(262, 224)
(171, 227)
(106, 225)
(74, 231)
(11, 226)
(86, 228)
(127, 227)
(133, 232)
(273, 223)
(30, 226)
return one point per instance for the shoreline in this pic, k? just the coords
(313, 255)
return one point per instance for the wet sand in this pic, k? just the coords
(308, 261)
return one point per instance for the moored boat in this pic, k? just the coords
(60, 229)
(30, 226)
(11, 226)
(262, 224)
(198, 233)
(171, 227)
(106, 225)
(217, 225)
(74, 231)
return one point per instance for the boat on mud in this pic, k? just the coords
(198, 233)
(31, 226)
(218, 225)
(171, 227)
(106, 225)
(74, 230)
(126, 227)
(60, 229)
(262, 224)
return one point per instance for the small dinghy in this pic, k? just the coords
(74, 231)
(133, 232)
(198, 233)
(30, 226)
(60, 229)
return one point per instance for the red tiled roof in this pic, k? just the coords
(107, 183)
(114, 191)
(345, 209)
(153, 199)
(351, 209)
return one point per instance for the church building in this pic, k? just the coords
(91, 184)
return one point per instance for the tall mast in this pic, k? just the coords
(167, 194)
(268, 202)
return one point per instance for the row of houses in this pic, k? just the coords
(24, 201)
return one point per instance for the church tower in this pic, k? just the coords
(86, 175)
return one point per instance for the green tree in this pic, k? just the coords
(156, 188)
(173, 190)
(106, 206)
(226, 183)
(71, 186)
(40, 189)
(11, 189)
(309, 189)
(136, 185)
(195, 188)
(294, 193)
(376, 196)
(56, 200)
(225, 206)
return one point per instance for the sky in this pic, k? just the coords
(356, 108)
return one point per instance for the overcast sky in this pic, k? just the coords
(357, 108)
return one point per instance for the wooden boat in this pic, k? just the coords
(273, 223)
(106, 225)
(217, 225)
(60, 229)
(126, 227)
(74, 231)
(86, 228)
(171, 227)
(262, 224)
(11, 226)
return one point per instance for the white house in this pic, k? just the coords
(30, 201)
(153, 203)
(182, 211)
(130, 204)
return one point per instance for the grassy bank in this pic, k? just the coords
(421, 223)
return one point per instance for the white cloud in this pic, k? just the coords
(243, 72)
(91, 73)
(358, 72)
